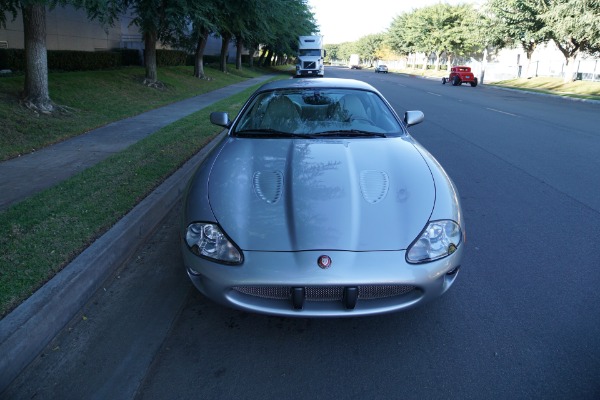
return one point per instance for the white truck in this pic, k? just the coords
(354, 62)
(310, 56)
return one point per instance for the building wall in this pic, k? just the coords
(546, 60)
(70, 29)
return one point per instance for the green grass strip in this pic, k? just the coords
(94, 99)
(42, 234)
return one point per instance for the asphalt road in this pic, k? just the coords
(521, 322)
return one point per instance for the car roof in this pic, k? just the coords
(313, 83)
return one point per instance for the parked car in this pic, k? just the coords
(459, 75)
(381, 68)
(317, 202)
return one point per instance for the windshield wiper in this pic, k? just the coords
(352, 133)
(273, 133)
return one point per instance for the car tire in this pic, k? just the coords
(474, 83)
(456, 81)
(444, 81)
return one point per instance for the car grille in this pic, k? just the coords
(326, 293)
(310, 65)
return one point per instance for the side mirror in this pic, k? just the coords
(413, 118)
(220, 118)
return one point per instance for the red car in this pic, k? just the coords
(460, 75)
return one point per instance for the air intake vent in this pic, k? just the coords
(268, 185)
(374, 185)
(326, 293)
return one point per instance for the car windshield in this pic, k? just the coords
(311, 113)
(309, 52)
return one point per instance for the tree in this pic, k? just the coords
(438, 29)
(519, 22)
(156, 19)
(574, 26)
(288, 20)
(370, 47)
(400, 36)
(36, 95)
(332, 51)
(467, 38)
(346, 49)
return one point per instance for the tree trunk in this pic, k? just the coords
(239, 47)
(223, 58)
(449, 69)
(150, 39)
(251, 52)
(571, 69)
(199, 55)
(484, 62)
(570, 51)
(36, 95)
(261, 58)
(529, 53)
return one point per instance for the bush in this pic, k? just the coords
(68, 60)
(170, 58)
(13, 59)
(207, 59)
(130, 57)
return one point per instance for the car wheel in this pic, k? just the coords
(443, 81)
(456, 81)
(474, 83)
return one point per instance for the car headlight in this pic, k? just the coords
(439, 239)
(207, 240)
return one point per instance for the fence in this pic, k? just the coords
(585, 69)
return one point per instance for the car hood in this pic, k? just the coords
(294, 194)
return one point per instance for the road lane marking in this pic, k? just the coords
(435, 94)
(501, 112)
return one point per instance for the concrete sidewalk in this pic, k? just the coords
(29, 174)
(31, 326)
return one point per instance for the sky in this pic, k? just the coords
(348, 20)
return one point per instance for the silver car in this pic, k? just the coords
(318, 203)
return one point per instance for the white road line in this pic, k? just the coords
(435, 94)
(501, 112)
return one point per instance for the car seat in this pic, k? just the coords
(281, 115)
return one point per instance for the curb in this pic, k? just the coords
(32, 325)
(524, 91)
(591, 101)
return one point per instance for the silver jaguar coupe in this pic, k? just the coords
(318, 203)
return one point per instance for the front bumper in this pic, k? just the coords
(309, 72)
(292, 284)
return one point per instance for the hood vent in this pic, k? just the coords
(268, 185)
(374, 185)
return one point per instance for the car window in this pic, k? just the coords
(316, 111)
(309, 52)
